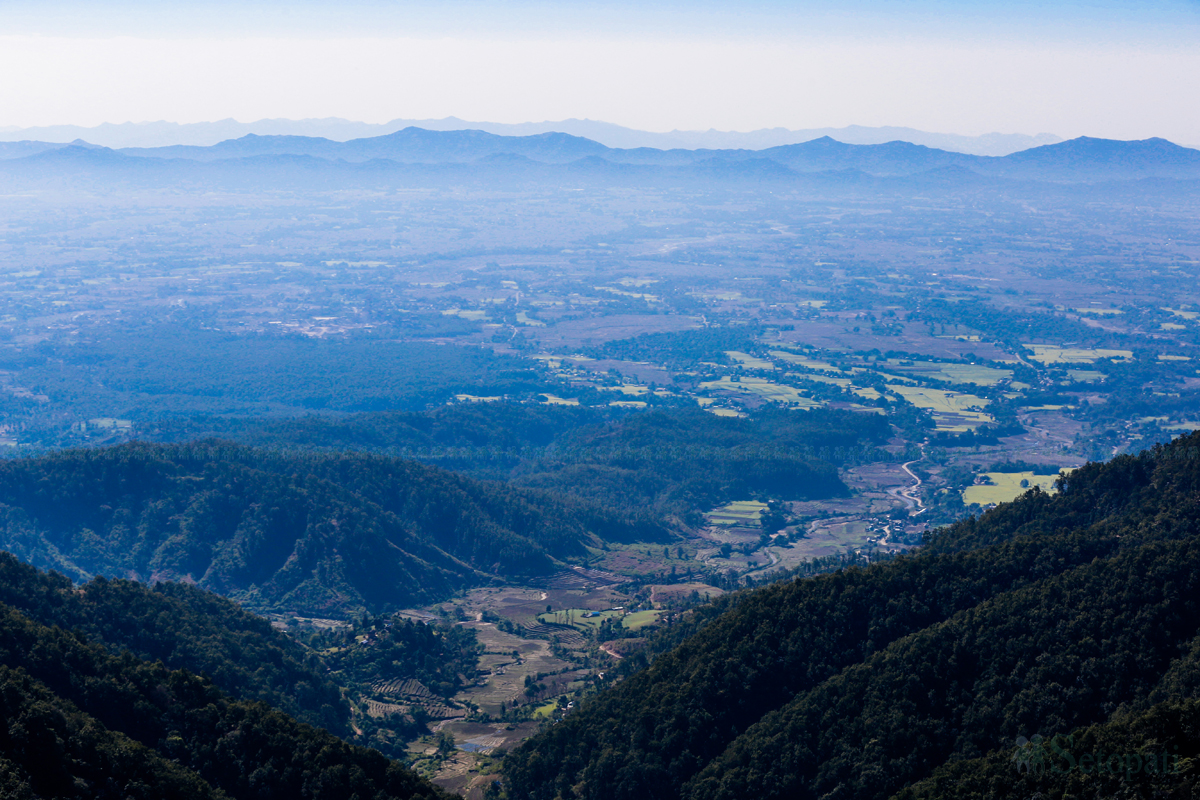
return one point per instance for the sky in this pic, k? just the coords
(1112, 68)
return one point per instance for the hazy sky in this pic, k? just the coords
(1115, 69)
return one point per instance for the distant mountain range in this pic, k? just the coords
(417, 153)
(202, 134)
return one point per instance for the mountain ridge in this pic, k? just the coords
(322, 534)
(415, 151)
(161, 133)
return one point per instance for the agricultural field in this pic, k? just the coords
(666, 594)
(581, 618)
(952, 411)
(939, 400)
(641, 619)
(739, 512)
(760, 388)
(748, 361)
(1005, 486)
(1052, 354)
(953, 373)
(832, 538)
(803, 361)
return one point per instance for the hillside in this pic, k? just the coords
(1072, 614)
(676, 461)
(326, 534)
(185, 628)
(81, 722)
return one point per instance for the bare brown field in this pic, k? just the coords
(596, 330)
(504, 679)
(661, 594)
(841, 336)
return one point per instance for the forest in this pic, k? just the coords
(282, 532)
(101, 698)
(338, 531)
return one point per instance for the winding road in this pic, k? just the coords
(909, 495)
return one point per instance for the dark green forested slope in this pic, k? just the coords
(1046, 615)
(185, 628)
(48, 748)
(671, 460)
(1151, 753)
(315, 533)
(81, 722)
(147, 370)
(687, 460)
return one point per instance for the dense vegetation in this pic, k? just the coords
(681, 347)
(320, 533)
(82, 722)
(184, 627)
(411, 668)
(670, 461)
(470, 434)
(685, 460)
(1051, 615)
(156, 369)
(441, 657)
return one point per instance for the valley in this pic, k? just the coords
(502, 448)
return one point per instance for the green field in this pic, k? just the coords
(555, 400)
(574, 617)
(1052, 354)
(803, 361)
(951, 410)
(1007, 487)
(739, 512)
(640, 619)
(957, 373)
(763, 388)
(748, 361)
(473, 315)
(546, 709)
(843, 382)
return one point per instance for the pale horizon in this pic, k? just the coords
(1110, 70)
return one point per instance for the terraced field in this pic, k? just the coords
(739, 512)
(401, 695)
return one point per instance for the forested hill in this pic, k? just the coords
(309, 533)
(1068, 615)
(83, 722)
(184, 627)
(674, 461)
